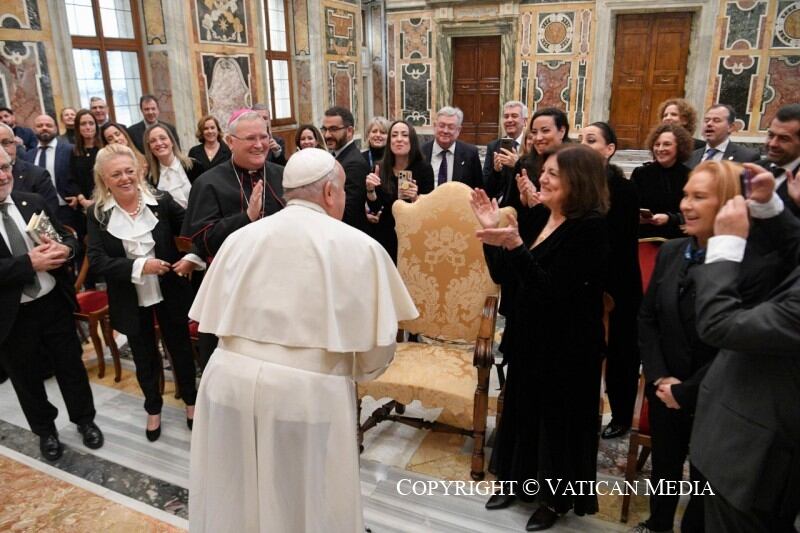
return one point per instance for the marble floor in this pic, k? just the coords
(131, 484)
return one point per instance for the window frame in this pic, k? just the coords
(271, 55)
(104, 44)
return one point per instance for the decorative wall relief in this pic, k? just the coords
(227, 81)
(22, 14)
(552, 84)
(781, 87)
(342, 84)
(162, 86)
(580, 95)
(340, 32)
(787, 25)
(25, 83)
(221, 21)
(736, 77)
(415, 88)
(524, 80)
(300, 22)
(391, 70)
(415, 39)
(525, 21)
(743, 24)
(554, 33)
(586, 26)
(154, 22)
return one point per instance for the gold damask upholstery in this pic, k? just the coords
(441, 262)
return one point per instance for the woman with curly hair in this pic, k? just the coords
(679, 111)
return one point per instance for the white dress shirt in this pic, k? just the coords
(731, 247)
(721, 147)
(50, 158)
(437, 153)
(173, 180)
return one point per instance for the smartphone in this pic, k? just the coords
(645, 213)
(404, 179)
(747, 178)
(507, 143)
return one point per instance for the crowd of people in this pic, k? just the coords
(131, 191)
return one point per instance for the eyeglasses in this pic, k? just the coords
(252, 139)
(8, 142)
(332, 129)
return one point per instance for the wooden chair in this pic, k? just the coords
(93, 310)
(442, 265)
(640, 429)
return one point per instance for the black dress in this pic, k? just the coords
(383, 231)
(660, 191)
(81, 168)
(373, 156)
(198, 153)
(549, 420)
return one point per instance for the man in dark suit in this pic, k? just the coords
(783, 154)
(150, 111)
(24, 135)
(498, 167)
(28, 178)
(277, 148)
(54, 156)
(337, 129)
(718, 125)
(38, 301)
(746, 435)
(451, 159)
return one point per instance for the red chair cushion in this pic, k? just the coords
(91, 301)
(193, 328)
(644, 417)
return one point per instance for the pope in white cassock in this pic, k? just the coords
(304, 305)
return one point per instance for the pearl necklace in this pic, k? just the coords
(138, 208)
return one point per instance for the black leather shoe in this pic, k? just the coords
(542, 519)
(50, 447)
(153, 434)
(92, 436)
(500, 501)
(614, 430)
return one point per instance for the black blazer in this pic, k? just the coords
(33, 178)
(81, 172)
(198, 153)
(466, 163)
(17, 271)
(136, 131)
(62, 166)
(495, 183)
(734, 152)
(27, 135)
(281, 158)
(661, 190)
(107, 258)
(355, 171)
(624, 277)
(746, 440)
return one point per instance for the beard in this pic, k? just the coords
(45, 136)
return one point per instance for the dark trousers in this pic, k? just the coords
(46, 325)
(206, 344)
(670, 431)
(175, 332)
(722, 517)
(622, 362)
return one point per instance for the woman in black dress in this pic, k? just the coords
(81, 164)
(660, 182)
(385, 185)
(549, 420)
(212, 150)
(623, 283)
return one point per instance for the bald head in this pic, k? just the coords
(45, 128)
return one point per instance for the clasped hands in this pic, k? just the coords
(488, 214)
(664, 392)
(49, 255)
(159, 267)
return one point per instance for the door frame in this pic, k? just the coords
(505, 26)
(698, 64)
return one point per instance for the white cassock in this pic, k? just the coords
(304, 305)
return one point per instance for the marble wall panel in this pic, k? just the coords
(305, 95)
(782, 86)
(340, 32)
(391, 71)
(221, 21)
(21, 14)
(743, 24)
(302, 46)
(415, 38)
(415, 86)
(554, 33)
(161, 86)
(580, 96)
(25, 83)
(552, 84)
(787, 25)
(735, 83)
(526, 22)
(343, 83)
(227, 84)
(154, 22)
(524, 83)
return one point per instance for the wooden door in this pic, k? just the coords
(649, 67)
(476, 86)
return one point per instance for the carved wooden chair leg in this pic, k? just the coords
(480, 411)
(98, 346)
(630, 475)
(642, 458)
(108, 337)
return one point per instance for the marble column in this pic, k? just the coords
(180, 69)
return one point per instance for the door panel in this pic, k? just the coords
(476, 86)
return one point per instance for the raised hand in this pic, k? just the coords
(374, 180)
(793, 186)
(507, 237)
(528, 194)
(762, 184)
(486, 211)
(732, 218)
(254, 207)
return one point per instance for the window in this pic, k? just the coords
(278, 62)
(106, 46)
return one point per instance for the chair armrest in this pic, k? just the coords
(483, 357)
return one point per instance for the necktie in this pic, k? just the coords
(777, 171)
(42, 161)
(442, 178)
(18, 247)
(710, 153)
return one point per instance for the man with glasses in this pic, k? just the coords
(451, 159)
(231, 195)
(28, 177)
(277, 148)
(337, 130)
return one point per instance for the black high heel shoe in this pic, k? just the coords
(153, 434)
(189, 422)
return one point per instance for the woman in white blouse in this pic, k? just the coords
(170, 169)
(132, 231)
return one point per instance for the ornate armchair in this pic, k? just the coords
(441, 262)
